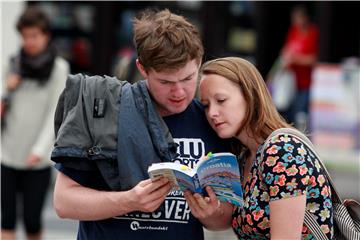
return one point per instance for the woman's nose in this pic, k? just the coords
(213, 111)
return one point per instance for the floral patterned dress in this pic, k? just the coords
(288, 169)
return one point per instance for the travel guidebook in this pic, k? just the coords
(220, 171)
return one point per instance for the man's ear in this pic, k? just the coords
(141, 69)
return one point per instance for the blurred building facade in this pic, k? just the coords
(96, 38)
(92, 34)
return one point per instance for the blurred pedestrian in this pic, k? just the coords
(34, 81)
(299, 55)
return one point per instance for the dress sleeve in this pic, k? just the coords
(286, 168)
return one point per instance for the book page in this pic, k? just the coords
(179, 175)
(221, 172)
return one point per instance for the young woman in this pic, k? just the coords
(287, 180)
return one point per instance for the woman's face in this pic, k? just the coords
(225, 106)
(34, 40)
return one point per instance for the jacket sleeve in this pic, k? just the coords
(72, 134)
(86, 126)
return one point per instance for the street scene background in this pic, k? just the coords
(254, 31)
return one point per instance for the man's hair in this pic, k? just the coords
(164, 40)
(33, 17)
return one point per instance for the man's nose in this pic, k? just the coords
(177, 89)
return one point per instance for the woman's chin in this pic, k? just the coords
(224, 135)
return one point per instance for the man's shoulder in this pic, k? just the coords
(196, 106)
(197, 103)
(194, 111)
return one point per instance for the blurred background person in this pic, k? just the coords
(299, 54)
(35, 78)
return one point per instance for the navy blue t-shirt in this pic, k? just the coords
(173, 220)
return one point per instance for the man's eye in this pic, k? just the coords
(221, 100)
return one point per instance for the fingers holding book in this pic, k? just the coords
(148, 194)
(203, 207)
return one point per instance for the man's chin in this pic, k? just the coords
(170, 108)
(177, 109)
(171, 111)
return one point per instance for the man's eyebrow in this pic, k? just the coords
(189, 76)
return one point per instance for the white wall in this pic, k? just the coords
(10, 39)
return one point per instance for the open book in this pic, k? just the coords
(220, 171)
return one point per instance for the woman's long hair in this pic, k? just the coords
(261, 117)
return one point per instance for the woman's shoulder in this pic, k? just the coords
(285, 144)
(287, 150)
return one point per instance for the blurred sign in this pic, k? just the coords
(335, 117)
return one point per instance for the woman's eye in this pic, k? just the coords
(221, 100)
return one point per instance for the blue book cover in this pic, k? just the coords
(220, 171)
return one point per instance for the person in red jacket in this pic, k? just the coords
(299, 54)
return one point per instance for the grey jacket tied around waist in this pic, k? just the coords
(104, 123)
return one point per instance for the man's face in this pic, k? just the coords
(173, 90)
(34, 40)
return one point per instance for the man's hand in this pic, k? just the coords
(148, 195)
(32, 160)
(12, 82)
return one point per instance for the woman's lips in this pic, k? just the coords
(217, 125)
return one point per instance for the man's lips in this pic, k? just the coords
(176, 100)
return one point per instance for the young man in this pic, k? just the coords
(169, 55)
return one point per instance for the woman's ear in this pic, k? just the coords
(141, 69)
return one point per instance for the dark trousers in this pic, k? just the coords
(298, 112)
(28, 188)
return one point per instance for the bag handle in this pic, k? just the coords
(313, 225)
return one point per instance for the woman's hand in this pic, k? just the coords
(213, 214)
(203, 207)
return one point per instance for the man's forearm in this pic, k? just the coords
(305, 59)
(74, 201)
(71, 200)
